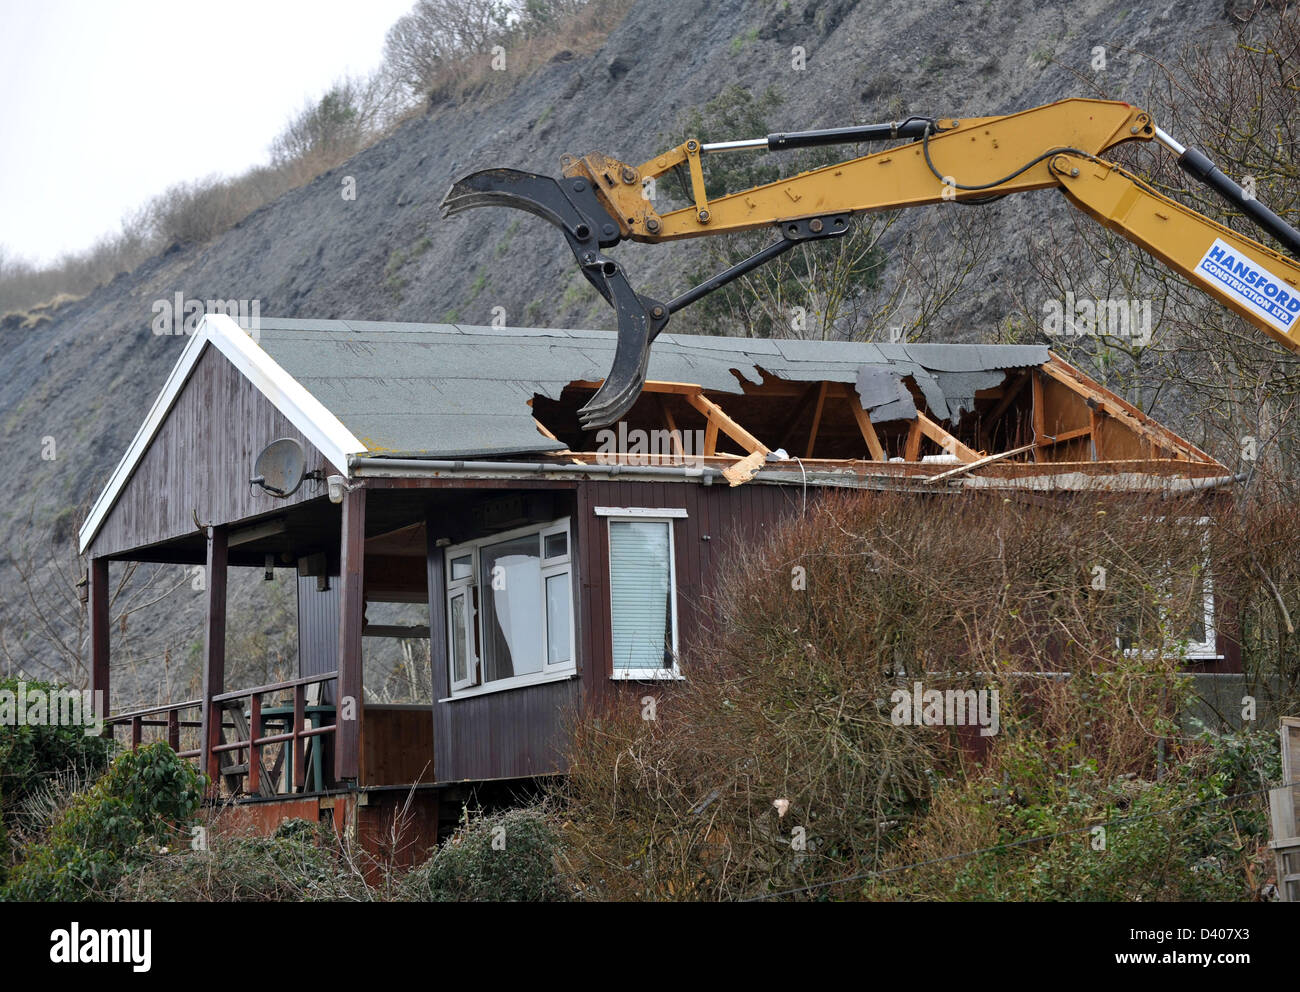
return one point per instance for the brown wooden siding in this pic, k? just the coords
(720, 521)
(200, 461)
(516, 733)
(519, 733)
(318, 630)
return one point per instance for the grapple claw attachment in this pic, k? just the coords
(572, 206)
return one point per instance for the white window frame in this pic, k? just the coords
(467, 587)
(463, 588)
(665, 515)
(1208, 649)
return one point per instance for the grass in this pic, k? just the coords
(393, 281)
(511, 231)
(41, 313)
(741, 41)
(581, 32)
(579, 291)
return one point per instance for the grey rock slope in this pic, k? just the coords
(87, 378)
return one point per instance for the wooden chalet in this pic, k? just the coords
(444, 466)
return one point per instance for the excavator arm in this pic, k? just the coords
(599, 202)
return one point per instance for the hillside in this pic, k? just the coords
(87, 376)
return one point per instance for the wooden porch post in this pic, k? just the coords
(99, 630)
(350, 705)
(214, 651)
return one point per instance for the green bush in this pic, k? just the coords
(1177, 838)
(505, 857)
(147, 800)
(31, 756)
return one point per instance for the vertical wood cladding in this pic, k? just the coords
(516, 733)
(318, 630)
(719, 521)
(396, 745)
(200, 461)
(519, 732)
(347, 738)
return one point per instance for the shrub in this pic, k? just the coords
(301, 862)
(443, 49)
(776, 765)
(437, 33)
(31, 757)
(147, 799)
(1125, 839)
(506, 857)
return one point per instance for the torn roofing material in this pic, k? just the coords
(948, 376)
(449, 390)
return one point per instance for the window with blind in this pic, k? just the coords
(643, 606)
(510, 609)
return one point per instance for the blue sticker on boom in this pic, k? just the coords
(1251, 285)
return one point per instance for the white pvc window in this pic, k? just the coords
(510, 609)
(643, 596)
(462, 634)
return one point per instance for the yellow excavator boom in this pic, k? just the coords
(600, 201)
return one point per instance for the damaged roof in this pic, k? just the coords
(365, 392)
(454, 390)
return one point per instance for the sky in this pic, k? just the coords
(107, 102)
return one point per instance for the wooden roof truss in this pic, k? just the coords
(1048, 415)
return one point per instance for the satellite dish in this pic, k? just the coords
(280, 468)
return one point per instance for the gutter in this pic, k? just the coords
(417, 468)
(1047, 483)
(1219, 482)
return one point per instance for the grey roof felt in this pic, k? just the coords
(454, 391)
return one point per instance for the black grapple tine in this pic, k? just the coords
(571, 205)
(640, 320)
(527, 191)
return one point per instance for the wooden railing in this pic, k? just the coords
(253, 740)
(167, 715)
(246, 724)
